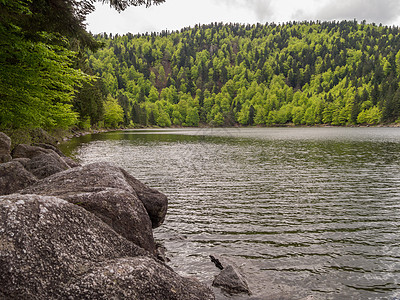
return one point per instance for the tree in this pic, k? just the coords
(298, 115)
(37, 81)
(113, 113)
(163, 119)
(39, 66)
(218, 120)
(89, 101)
(370, 116)
(251, 115)
(64, 17)
(192, 117)
(123, 101)
(123, 4)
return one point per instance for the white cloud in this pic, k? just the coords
(378, 11)
(262, 9)
(176, 14)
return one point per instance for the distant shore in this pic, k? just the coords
(38, 135)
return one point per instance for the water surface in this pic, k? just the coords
(304, 212)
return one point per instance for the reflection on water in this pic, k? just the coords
(303, 211)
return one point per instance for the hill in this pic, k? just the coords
(338, 73)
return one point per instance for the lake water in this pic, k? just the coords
(304, 212)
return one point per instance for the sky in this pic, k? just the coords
(177, 14)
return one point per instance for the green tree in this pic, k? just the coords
(192, 117)
(89, 101)
(372, 116)
(42, 45)
(298, 115)
(163, 119)
(113, 113)
(218, 120)
(37, 80)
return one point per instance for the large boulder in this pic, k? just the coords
(46, 164)
(5, 148)
(69, 161)
(120, 209)
(98, 177)
(14, 177)
(46, 241)
(27, 151)
(155, 202)
(108, 192)
(22, 161)
(51, 147)
(138, 278)
(44, 160)
(52, 249)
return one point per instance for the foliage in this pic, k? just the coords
(306, 73)
(89, 102)
(113, 113)
(123, 4)
(370, 116)
(37, 81)
(42, 53)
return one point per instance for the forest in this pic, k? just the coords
(306, 73)
(54, 74)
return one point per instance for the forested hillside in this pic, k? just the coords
(338, 73)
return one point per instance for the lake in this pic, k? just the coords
(306, 213)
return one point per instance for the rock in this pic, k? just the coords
(27, 151)
(138, 278)
(105, 191)
(69, 161)
(14, 177)
(155, 202)
(46, 241)
(39, 135)
(97, 177)
(5, 143)
(46, 164)
(41, 162)
(120, 209)
(23, 161)
(52, 249)
(5, 148)
(161, 252)
(49, 146)
(81, 233)
(231, 281)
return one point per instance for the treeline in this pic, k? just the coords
(337, 73)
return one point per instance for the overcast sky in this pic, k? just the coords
(176, 14)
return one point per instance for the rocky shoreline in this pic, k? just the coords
(80, 232)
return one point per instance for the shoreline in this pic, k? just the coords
(58, 136)
(96, 131)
